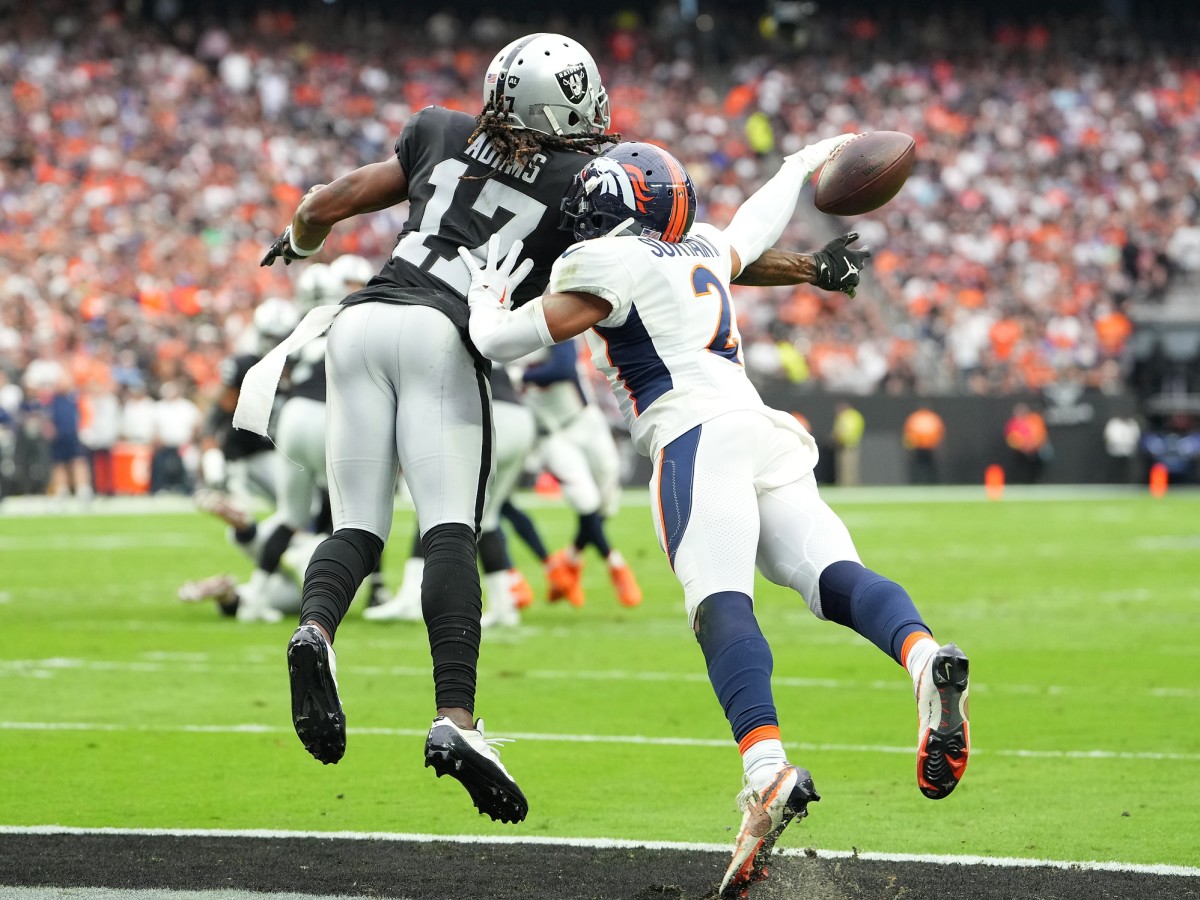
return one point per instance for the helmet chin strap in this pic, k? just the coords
(626, 227)
(558, 129)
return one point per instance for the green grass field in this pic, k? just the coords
(120, 706)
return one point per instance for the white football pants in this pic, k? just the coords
(300, 462)
(739, 491)
(404, 391)
(515, 434)
(584, 458)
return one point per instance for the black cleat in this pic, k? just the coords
(463, 753)
(316, 710)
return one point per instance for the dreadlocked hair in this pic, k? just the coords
(518, 145)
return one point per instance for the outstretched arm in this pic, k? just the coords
(835, 267)
(759, 222)
(367, 189)
(776, 267)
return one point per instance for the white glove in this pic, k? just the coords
(815, 155)
(494, 284)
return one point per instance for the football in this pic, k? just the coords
(865, 173)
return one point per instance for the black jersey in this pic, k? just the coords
(306, 377)
(502, 387)
(447, 211)
(236, 443)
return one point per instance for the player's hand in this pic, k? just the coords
(815, 155)
(495, 282)
(839, 266)
(281, 249)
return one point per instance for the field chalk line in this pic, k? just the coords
(629, 739)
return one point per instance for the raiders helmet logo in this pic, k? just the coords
(574, 82)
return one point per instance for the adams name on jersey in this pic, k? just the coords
(458, 197)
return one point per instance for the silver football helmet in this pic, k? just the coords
(548, 83)
(274, 319)
(316, 285)
(352, 271)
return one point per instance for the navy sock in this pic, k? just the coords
(418, 548)
(525, 529)
(338, 566)
(739, 661)
(451, 600)
(877, 608)
(591, 531)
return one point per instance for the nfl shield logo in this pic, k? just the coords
(574, 82)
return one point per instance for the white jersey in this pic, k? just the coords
(670, 347)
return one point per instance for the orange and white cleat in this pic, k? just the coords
(765, 815)
(629, 593)
(565, 577)
(943, 734)
(522, 593)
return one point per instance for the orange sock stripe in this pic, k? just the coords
(908, 645)
(761, 733)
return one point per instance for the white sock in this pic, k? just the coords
(498, 588)
(918, 657)
(615, 559)
(761, 761)
(414, 572)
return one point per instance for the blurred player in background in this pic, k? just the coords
(405, 388)
(240, 469)
(733, 478)
(577, 448)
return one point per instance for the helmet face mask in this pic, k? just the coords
(547, 83)
(630, 181)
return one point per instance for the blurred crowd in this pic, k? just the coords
(146, 163)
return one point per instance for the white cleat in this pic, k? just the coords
(400, 608)
(765, 815)
(943, 733)
(254, 608)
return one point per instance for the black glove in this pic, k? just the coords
(839, 267)
(282, 249)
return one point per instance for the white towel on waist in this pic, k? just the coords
(257, 396)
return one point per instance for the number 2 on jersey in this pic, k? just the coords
(725, 340)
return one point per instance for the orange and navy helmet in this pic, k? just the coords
(630, 181)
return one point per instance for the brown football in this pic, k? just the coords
(865, 173)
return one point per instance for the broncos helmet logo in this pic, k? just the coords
(621, 180)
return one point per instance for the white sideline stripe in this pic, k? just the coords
(611, 844)
(632, 739)
(199, 663)
(50, 507)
